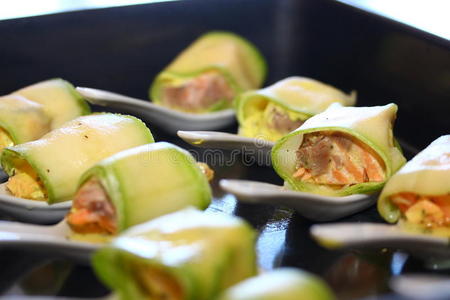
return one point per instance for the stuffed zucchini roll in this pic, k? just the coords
(21, 120)
(48, 169)
(60, 100)
(209, 74)
(280, 284)
(186, 255)
(137, 185)
(274, 111)
(418, 196)
(342, 151)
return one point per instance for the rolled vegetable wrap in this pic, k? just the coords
(48, 169)
(21, 120)
(342, 151)
(274, 111)
(59, 98)
(189, 255)
(209, 74)
(418, 195)
(137, 185)
(280, 284)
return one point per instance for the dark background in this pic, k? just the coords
(122, 49)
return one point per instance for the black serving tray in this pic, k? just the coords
(122, 48)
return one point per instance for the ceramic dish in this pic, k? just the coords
(31, 211)
(311, 206)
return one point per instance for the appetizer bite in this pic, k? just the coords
(188, 254)
(274, 111)
(280, 284)
(342, 151)
(208, 74)
(48, 169)
(137, 185)
(59, 99)
(21, 120)
(418, 195)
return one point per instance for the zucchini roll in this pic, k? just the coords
(60, 100)
(209, 74)
(418, 196)
(280, 284)
(186, 255)
(48, 169)
(21, 120)
(274, 111)
(342, 151)
(137, 185)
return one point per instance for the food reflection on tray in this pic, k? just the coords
(142, 200)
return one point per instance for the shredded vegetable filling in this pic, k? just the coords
(426, 211)
(92, 210)
(25, 183)
(198, 93)
(335, 158)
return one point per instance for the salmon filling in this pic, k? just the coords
(198, 93)
(279, 120)
(25, 183)
(335, 158)
(5, 140)
(157, 284)
(92, 210)
(427, 211)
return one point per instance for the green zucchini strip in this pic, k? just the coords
(276, 110)
(60, 157)
(189, 255)
(280, 284)
(141, 183)
(325, 153)
(209, 74)
(426, 179)
(60, 100)
(21, 120)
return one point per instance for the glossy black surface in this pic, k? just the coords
(122, 49)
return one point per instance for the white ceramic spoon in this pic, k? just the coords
(254, 150)
(224, 140)
(421, 286)
(374, 235)
(53, 239)
(311, 206)
(167, 119)
(31, 211)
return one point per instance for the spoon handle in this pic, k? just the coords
(374, 235)
(21, 233)
(225, 140)
(102, 97)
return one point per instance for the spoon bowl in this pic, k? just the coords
(167, 119)
(254, 150)
(422, 286)
(374, 235)
(311, 206)
(53, 239)
(31, 211)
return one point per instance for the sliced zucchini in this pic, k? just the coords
(61, 156)
(59, 98)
